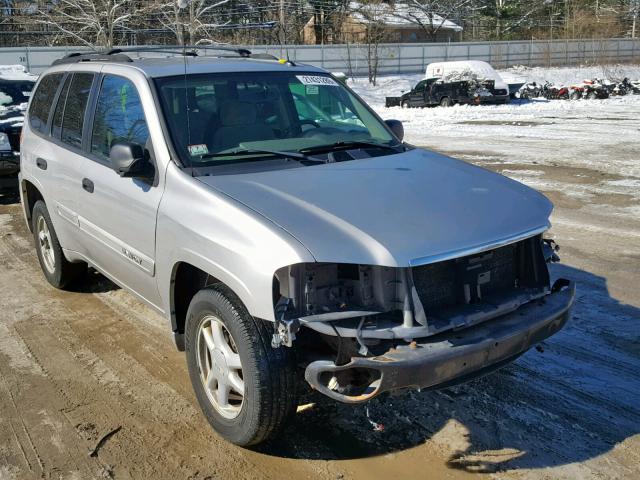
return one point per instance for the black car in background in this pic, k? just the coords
(15, 89)
(432, 92)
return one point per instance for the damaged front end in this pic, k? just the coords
(368, 329)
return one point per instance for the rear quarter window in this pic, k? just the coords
(75, 108)
(42, 102)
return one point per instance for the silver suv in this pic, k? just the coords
(283, 229)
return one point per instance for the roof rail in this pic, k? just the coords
(91, 57)
(190, 50)
(120, 54)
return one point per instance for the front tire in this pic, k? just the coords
(58, 271)
(246, 388)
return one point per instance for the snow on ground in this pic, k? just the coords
(393, 85)
(571, 410)
(539, 127)
(16, 72)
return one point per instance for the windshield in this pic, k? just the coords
(232, 112)
(14, 92)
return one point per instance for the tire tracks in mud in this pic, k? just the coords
(100, 367)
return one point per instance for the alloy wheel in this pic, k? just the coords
(220, 367)
(45, 245)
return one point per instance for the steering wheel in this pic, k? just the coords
(309, 122)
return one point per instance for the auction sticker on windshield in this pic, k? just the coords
(197, 150)
(317, 80)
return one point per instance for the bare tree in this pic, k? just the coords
(193, 24)
(373, 15)
(92, 23)
(634, 12)
(432, 15)
(327, 17)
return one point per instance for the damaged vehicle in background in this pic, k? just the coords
(15, 89)
(284, 230)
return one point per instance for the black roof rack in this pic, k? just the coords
(91, 57)
(120, 54)
(190, 50)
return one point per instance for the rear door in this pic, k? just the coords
(117, 215)
(54, 152)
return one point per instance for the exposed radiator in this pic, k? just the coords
(470, 279)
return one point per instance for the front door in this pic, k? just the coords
(416, 97)
(117, 215)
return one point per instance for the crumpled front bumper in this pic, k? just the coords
(454, 357)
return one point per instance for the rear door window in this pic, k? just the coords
(42, 102)
(119, 116)
(75, 108)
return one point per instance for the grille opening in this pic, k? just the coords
(467, 289)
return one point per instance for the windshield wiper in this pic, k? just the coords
(302, 157)
(345, 145)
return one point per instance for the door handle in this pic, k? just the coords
(41, 163)
(87, 185)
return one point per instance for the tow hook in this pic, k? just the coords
(549, 249)
(285, 330)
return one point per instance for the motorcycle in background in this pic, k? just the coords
(595, 89)
(529, 90)
(555, 92)
(625, 87)
(590, 90)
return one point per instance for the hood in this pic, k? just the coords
(397, 210)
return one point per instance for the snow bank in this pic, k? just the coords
(16, 72)
(539, 133)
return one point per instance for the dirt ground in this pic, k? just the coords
(92, 387)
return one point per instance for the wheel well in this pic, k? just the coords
(31, 195)
(187, 281)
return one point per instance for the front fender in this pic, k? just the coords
(224, 238)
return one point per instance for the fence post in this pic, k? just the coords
(399, 59)
(28, 60)
(424, 53)
(446, 52)
(618, 42)
(508, 55)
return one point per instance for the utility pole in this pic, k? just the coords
(283, 37)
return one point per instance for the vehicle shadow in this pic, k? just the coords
(567, 401)
(93, 282)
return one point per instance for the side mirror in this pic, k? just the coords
(129, 160)
(396, 127)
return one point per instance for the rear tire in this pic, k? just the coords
(58, 271)
(592, 96)
(404, 104)
(445, 102)
(227, 351)
(575, 96)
